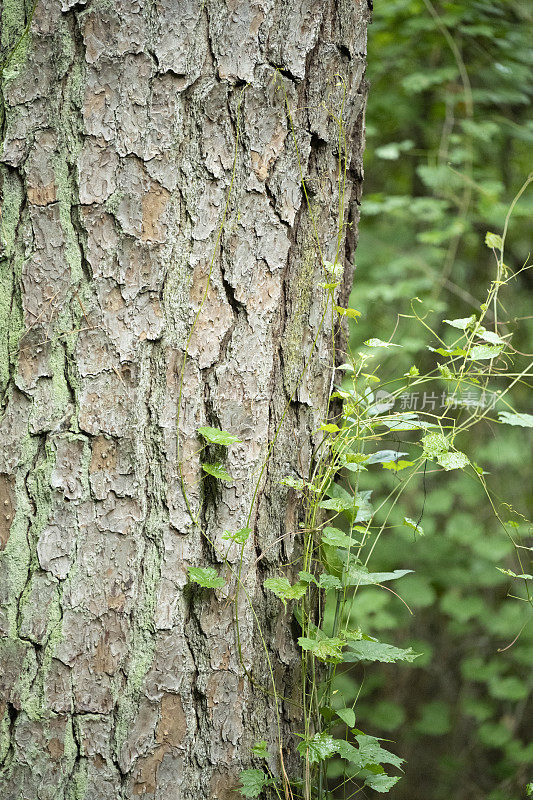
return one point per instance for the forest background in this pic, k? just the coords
(449, 136)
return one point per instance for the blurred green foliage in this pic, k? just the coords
(449, 137)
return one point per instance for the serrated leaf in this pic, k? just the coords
(306, 577)
(337, 504)
(481, 352)
(348, 752)
(493, 240)
(328, 582)
(372, 752)
(434, 444)
(318, 748)
(217, 471)
(260, 749)
(445, 371)
(359, 576)
(524, 420)
(453, 460)
(336, 538)
(327, 650)
(253, 782)
(347, 715)
(380, 343)
(216, 436)
(366, 650)
(381, 783)
(283, 589)
(240, 537)
(207, 577)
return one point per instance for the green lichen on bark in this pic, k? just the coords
(142, 647)
(5, 732)
(78, 785)
(17, 553)
(302, 290)
(12, 197)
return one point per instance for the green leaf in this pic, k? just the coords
(381, 783)
(462, 324)
(318, 748)
(348, 312)
(372, 752)
(445, 351)
(217, 471)
(215, 436)
(327, 650)
(355, 634)
(481, 352)
(397, 466)
(363, 506)
(380, 343)
(260, 749)
(360, 576)
(337, 538)
(253, 782)
(524, 420)
(207, 577)
(434, 444)
(365, 650)
(283, 589)
(328, 582)
(240, 537)
(306, 577)
(331, 561)
(348, 752)
(329, 427)
(337, 504)
(347, 715)
(405, 422)
(414, 525)
(493, 240)
(384, 456)
(455, 460)
(525, 576)
(490, 336)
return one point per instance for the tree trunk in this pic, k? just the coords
(118, 677)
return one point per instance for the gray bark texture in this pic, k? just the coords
(118, 678)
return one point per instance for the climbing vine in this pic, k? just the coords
(342, 522)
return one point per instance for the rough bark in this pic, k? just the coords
(117, 678)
